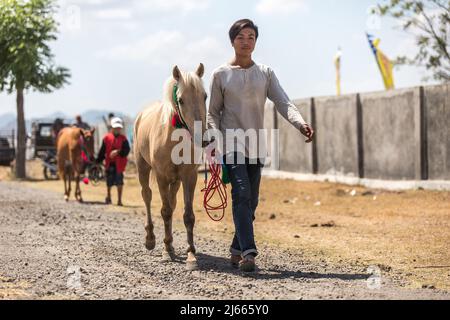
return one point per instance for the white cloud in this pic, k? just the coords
(183, 6)
(268, 7)
(85, 2)
(168, 47)
(117, 9)
(152, 48)
(114, 14)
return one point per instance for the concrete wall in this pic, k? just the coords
(336, 127)
(269, 125)
(437, 107)
(396, 135)
(389, 134)
(295, 155)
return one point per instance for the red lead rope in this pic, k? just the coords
(214, 186)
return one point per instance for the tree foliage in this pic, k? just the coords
(26, 60)
(429, 22)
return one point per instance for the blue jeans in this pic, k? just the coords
(245, 181)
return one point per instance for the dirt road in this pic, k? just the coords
(51, 250)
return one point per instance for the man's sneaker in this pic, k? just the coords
(235, 259)
(247, 264)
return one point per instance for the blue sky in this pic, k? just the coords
(121, 52)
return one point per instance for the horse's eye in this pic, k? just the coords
(206, 96)
(180, 101)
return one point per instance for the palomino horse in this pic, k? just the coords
(185, 95)
(70, 144)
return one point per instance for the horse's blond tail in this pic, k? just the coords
(137, 122)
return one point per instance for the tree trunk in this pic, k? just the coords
(21, 137)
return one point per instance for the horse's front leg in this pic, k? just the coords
(144, 180)
(189, 184)
(168, 197)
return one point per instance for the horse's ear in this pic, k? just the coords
(92, 130)
(176, 73)
(82, 133)
(201, 70)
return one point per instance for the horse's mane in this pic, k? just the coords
(189, 79)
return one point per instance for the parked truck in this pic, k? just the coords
(7, 149)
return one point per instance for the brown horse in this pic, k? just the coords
(70, 144)
(153, 147)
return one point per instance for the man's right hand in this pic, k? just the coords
(114, 154)
(308, 132)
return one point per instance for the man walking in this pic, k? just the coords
(114, 151)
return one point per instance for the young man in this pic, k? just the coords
(239, 90)
(114, 151)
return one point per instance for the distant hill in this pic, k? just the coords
(7, 121)
(93, 117)
(6, 118)
(96, 116)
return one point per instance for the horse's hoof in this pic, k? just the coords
(66, 198)
(150, 244)
(192, 266)
(168, 256)
(191, 262)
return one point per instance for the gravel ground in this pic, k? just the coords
(53, 250)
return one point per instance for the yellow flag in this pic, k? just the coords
(385, 65)
(337, 64)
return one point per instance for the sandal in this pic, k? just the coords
(235, 259)
(247, 264)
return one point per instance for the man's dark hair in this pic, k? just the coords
(239, 25)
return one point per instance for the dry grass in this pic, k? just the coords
(406, 233)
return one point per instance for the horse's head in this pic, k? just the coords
(88, 137)
(189, 97)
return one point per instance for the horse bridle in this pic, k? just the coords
(82, 144)
(177, 106)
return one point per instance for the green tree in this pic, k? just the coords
(26, 61)
(429, 22)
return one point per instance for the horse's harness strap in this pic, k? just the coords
(83, 147)
(177, 106)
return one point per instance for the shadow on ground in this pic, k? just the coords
(222, 265)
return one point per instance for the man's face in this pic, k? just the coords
(117, 131)
(245, 42)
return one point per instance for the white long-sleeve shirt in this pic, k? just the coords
(238, 98)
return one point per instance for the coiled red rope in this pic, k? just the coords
(215, 186)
